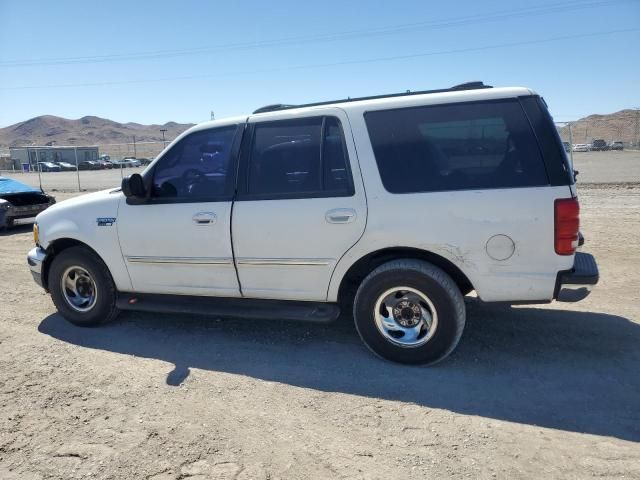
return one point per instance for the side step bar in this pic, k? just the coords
(248, 308)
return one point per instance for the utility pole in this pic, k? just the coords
(163, 142)
(39, 170)
(75, 152)
(637, 129)
(134, 147)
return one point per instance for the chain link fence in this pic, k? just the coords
(621, 129)
(79, 167)
(603, 148)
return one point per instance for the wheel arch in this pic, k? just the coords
(366, 264)
(56, 247)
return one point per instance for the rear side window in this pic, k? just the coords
(455, 147)
(555, 158)
(299, 158)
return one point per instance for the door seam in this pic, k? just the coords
(233, 204)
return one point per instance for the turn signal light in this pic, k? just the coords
(567, 225)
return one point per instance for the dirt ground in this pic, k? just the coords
(547, 391)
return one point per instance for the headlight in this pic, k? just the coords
(4, 204)
(36, 234)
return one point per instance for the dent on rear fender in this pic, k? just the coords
(457, 256)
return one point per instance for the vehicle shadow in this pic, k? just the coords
(16, 229)
(575, 371)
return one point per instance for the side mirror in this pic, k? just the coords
(133, 186)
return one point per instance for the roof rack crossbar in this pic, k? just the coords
(455, 88)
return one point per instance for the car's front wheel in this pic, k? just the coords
(409, 311)
(82, 288)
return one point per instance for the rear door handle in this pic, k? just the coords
(204, 218)
(340, 215)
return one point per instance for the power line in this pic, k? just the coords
(323, 65)
(339, 36)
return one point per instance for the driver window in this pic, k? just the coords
(197, 168)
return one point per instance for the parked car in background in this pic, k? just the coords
(105, 164)
(599, 146)
(89, 165)
(566, 146)
(48, 167)
(144, 161)
(581, 147)
(119, 164)
(126, 163)
(368, 205)
(617, 145)
(20, 201)
(133, 162)
(66, 166)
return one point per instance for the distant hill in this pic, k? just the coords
(622, 125)
(90, 130)
(84, 131)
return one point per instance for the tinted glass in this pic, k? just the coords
(197, 168)
(299, 159)
(285, 157)
(336, 176)
(556, 161)
(455, 147)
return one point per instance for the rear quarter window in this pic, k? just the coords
(461, 146)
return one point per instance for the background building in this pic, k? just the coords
(35, 154)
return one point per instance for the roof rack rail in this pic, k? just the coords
(463, 86)
(273, 108)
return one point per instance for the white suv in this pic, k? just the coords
(391, 207)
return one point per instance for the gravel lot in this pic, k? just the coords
(532, 392)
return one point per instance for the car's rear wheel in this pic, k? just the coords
(409, 311)
(82, 288)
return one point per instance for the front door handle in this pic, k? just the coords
(204, 218)
(340, 215)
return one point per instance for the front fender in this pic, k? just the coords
(82, 220)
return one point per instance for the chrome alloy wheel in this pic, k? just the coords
(79, 289)
(406, 317)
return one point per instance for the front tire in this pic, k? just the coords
(409, 311)
(82, 288)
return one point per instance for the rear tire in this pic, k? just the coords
(409, 311)
(82, 288)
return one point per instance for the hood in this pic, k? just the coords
(79, 216)
(8, 185)
(94, 198)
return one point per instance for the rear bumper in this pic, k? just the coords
(35, 259)
(576, 284)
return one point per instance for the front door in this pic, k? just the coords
(178, 241)
(300, 204)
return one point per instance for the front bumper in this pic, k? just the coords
(35, 259)
(9, 215)
(576, 284)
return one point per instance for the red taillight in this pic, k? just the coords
(567, 225)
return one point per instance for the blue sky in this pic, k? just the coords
(76, 58)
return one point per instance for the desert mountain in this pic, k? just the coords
(623, 126)
(87, 130)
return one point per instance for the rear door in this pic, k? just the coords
(300, 204)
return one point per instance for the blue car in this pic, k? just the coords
(19, 201)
